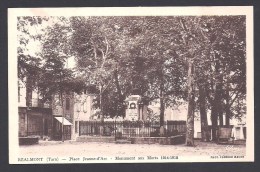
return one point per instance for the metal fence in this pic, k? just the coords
(126, 129)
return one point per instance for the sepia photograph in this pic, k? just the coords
(135, 85)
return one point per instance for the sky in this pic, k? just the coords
(34, 46)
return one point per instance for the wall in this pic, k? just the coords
(83, 110)
(34, 121)
(21, 94)
(22, 121)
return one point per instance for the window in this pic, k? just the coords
(68, 115)
(85, 107)
(76, 126)
(78, 107)
(67, 104)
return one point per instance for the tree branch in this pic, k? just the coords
(232, 101)
(107, 47)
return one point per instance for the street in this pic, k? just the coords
(71, 148)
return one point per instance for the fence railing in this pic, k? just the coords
(126, 129)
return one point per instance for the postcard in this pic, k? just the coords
(131, 84)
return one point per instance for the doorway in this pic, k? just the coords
(45, 127)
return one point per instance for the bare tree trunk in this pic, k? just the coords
(62, 110)
(220, 91)
(119, 92)
(162, 108)
(203, 114)
(216, 112)
(62, 123)
(216, 105)
(220, 115)
(100, 103)
(191, 104)
(28, 101)
(227, 108)
(28, 91)
(214, 121)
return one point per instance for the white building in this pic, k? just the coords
(83, 110)
(178, 113)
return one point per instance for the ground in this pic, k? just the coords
(72, 148)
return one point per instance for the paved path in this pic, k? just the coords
(69, 148)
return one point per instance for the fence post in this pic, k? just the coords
(115, 128)
(166, 129)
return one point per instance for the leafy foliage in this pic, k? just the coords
(148, 55)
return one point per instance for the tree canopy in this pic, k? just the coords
(197, 59)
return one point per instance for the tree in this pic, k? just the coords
(159, 65)
(55, 77)
(29, 32)
(169, 58)
(226, 58)
(189, 43)
(92, 48)
(150, 60)
(215, 43)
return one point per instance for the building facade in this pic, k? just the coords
(45, 120)
(83, 111)
(35, 117)
(63, 115)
